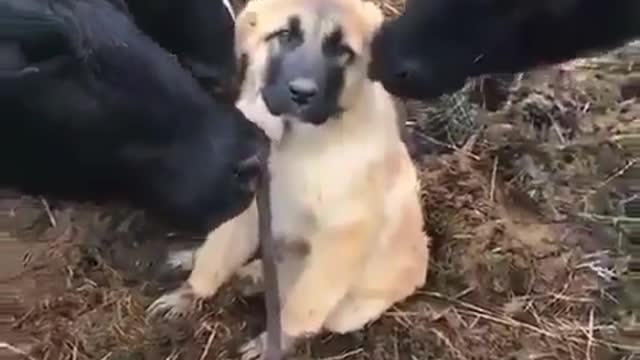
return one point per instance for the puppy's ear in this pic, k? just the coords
(372, 15)
(246, 23)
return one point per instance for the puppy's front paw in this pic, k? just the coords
(174, 305)
(301, 319)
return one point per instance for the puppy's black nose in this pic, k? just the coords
(302, 90)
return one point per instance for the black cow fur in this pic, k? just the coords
(435, 45)
(94, 110)
(199, 32)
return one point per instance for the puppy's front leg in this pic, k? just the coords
(226, 249)
(224, 252)
(337, 257)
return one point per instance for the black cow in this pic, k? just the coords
(199, 32)
(435, 45)
(94, 110)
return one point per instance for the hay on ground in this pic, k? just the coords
(521, 179)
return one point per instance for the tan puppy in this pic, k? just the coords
(345, 204)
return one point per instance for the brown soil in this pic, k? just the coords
(520, 180)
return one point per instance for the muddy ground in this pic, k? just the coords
(522, 177)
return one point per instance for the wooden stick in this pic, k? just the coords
(271, 293)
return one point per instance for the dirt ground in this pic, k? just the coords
(522, 178)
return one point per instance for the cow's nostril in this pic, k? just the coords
(403, 74)
(407, 70)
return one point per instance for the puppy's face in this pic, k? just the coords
(306, 58)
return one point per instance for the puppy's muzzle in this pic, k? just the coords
(302, 90)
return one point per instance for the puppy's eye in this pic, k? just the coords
(284, 34)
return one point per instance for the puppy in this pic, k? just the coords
(346, 215)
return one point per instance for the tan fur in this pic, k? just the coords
(345, 204)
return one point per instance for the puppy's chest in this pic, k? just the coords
(307, 184)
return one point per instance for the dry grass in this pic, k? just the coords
(519, 269)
